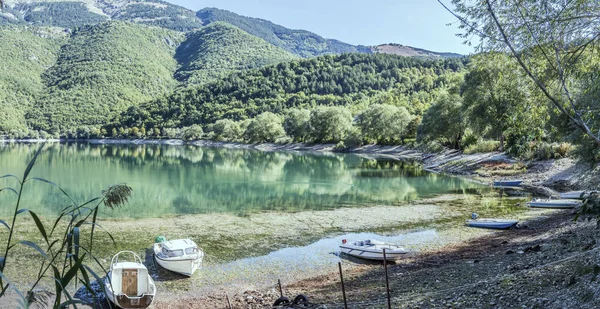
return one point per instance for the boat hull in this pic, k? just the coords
(554, 204)
(508, 183)
(574, 195)
(128, 302)
(373, 254)
(492, 224)
(185, 266)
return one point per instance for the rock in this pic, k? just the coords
(570, 280)
(534, 248)
(520, 252)
(509, 251)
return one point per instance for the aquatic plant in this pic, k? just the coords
(63, 254)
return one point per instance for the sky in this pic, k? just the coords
(417, 23)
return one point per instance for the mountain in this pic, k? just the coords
(407, 51)
(102, 70)
(25, 54)
(77, 13)
(300, 42)
(347, 79)
(220, 49)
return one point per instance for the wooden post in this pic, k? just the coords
(343, 288)
(387, 283)
(228, 302)
(280, 290)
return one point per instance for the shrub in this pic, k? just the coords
(483, 146)
(192, 133)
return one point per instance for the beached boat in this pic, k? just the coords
(373, 250)
(180, 255)
(492, 223)
(508, 183)
(128, 284)
(562, 203)
(576, 194)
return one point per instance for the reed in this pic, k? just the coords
(65, 259)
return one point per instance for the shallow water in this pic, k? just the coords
(175, 180)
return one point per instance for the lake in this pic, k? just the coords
(175, 180)
(259, 216)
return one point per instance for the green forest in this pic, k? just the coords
(227, 77)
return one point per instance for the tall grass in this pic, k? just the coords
(64, 258)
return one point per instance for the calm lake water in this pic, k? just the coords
(173, 180)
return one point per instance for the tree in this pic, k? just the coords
(297, 124)
(494, 94)
(266, 127)
(192, 133)
(227, 130)
(443, 121)
(330, 124)
(551, 41)
(384, 124)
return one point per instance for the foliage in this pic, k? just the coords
(496, 99)
(297, 124)
(266, 127)
(103, 70)
(348, 80)
(219, 49)
(384, 124)
(482, 146)
(59, 14)
(193, 132)
(159, 13)
(299, 42)
(227, 130)
(555, 43)
(330, 124)
(62, 253)
(443, 121)
(25, 54)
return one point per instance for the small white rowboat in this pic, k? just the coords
(373, 250)
(492, 223)
(561, 204)
(180, 255)
(575, 195)
(128, 284)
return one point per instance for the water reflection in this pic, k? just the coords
(171, 180)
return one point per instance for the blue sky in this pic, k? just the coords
(418, 23)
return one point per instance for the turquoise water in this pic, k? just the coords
(174, 180)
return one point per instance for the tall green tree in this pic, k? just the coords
(266, 127)
(443, 121)
(330, 124)
(297, 124)
(384, 124)
(550, 39)
(493, 91)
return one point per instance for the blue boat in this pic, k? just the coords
(508, 183)
(492, 223)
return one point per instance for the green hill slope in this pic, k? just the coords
(299, 42)
(348, 79)
(25, 54)
(103, 70)
(219, 49)
(77, 13)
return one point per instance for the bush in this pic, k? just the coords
(192, 133)
(483, 146)
(266, 127)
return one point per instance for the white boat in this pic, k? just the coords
(373, 250)
(492, 223)
(562, 203)
(180, 255)
(128, 284)
(575, 195)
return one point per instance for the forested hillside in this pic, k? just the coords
(347, 80)
(299, 42)
(70, 14)
(220, 49)
(25, 54)
(102, 70)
